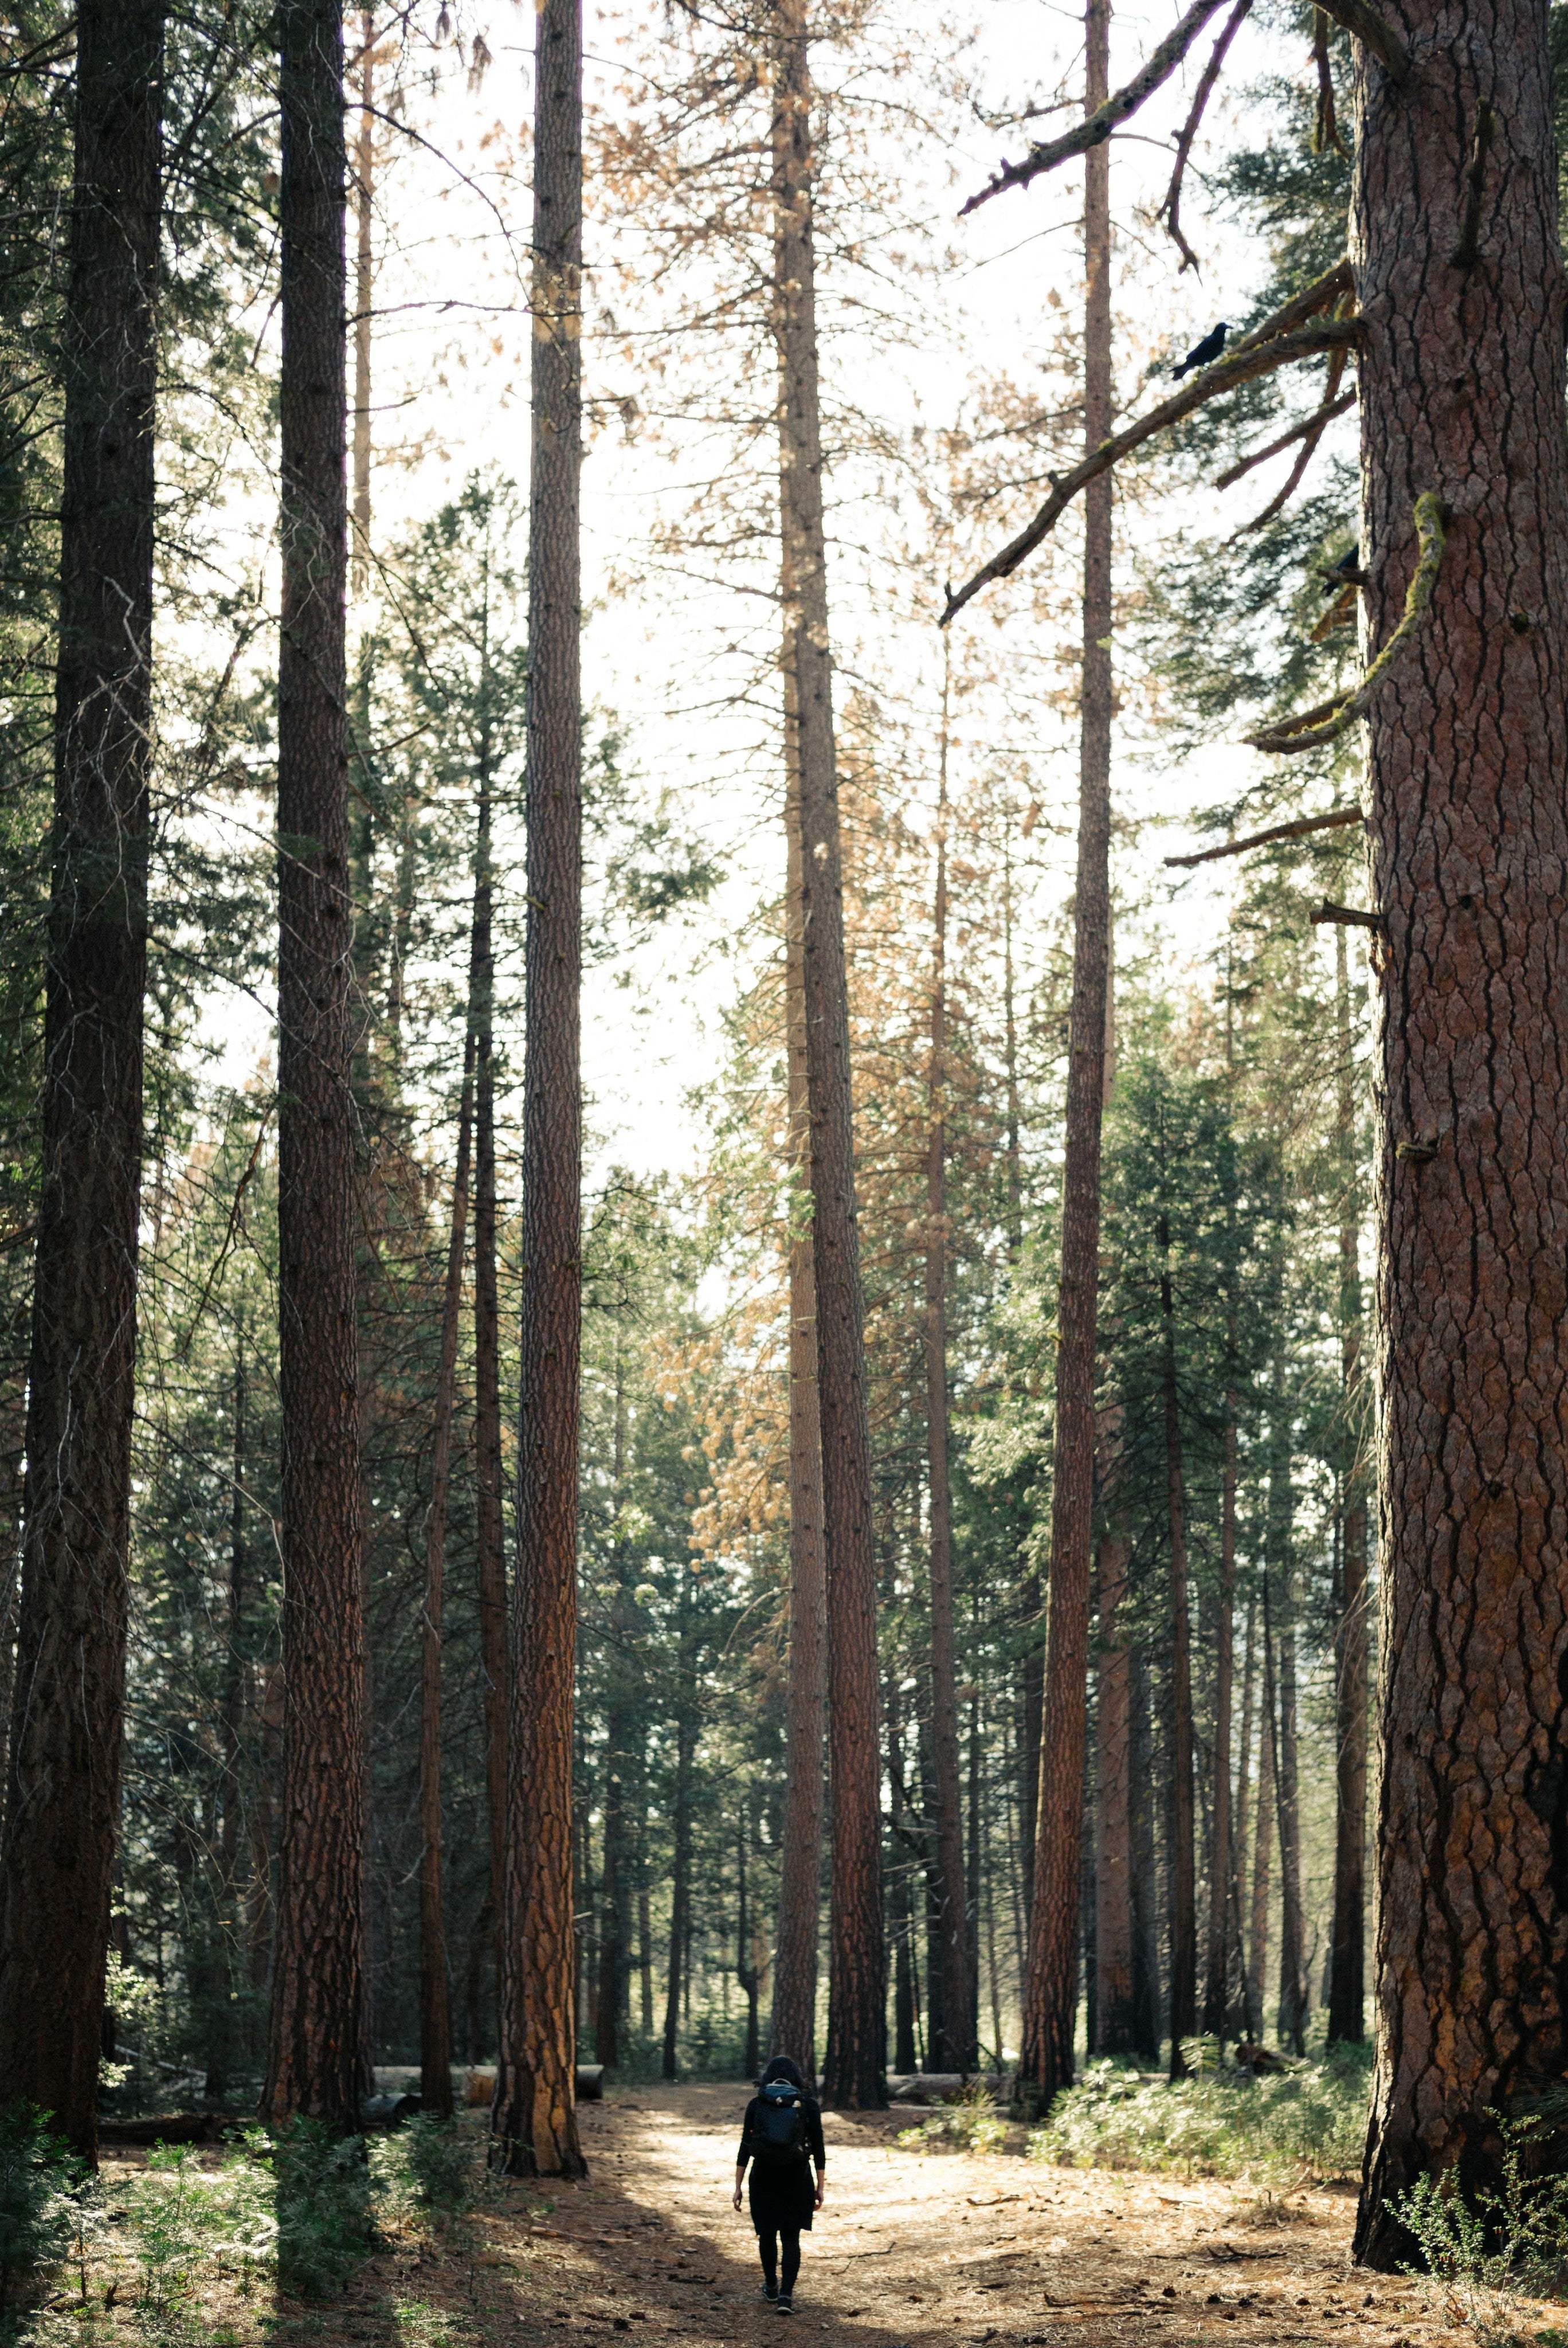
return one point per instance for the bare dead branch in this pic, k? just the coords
(1325, 130)
(1469, 245)
(1171, 209)
(1338, 612)
(1319, 416)
(1162, 64)
(1316, 427)
(1296, 830)
(1332, 719)
(1349, 917)
(1280, 340)
(1373, 32)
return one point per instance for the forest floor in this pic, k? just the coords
(912, 2249)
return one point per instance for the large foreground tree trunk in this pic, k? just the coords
(1461, 393)
(63, 1805)
(794, 2028)
(853, 2073)
(313, 2064)
(1051, 1994)
(535, 2116)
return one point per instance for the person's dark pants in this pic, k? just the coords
(768, 2244)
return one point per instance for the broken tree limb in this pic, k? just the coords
(1257, 355)
(1313, 423)
(1332, 719)
(1316, 427)
(1171, 209)
(1161, 65)
(1373, 32)
(1349, 917)
(1296, 830)
(1326, 133)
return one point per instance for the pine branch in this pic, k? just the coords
(1098, 126)
(1316, 427)
(1279, 340)
(1349, 917)
(1297, 830)
(1171, 209)
(1332, 719)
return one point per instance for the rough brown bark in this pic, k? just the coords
(435, 2000)
(535, 2116)
(1183, 1892)
(62, 1812)
(1051, 1994)
(1115, 2022)
(956, 2052)
(1461, 382)
(363, 291)
(1032, 1725)
(853, 2072)
(794, 2026)
(490, 1561)
(1346, 1977)
(1217, 1985)
(313, 2059)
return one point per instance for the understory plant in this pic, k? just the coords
(1218, 2123)
(40, 2177)
(964, 2121)
(325, 2207)
(1479, 2253)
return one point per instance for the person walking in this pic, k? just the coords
(780, 2137)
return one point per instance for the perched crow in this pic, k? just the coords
(1203, 353)
(1346, 572)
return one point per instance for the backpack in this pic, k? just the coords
(781, 2121)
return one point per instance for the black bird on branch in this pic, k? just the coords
(1204, 354)
(1346, 572)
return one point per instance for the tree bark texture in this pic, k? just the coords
(312, 2061)
(1051, 1993)
(1461, 394)
(794, 2026)
(1250, 2020)
(62, 1812)
(1216, 1984)
(1115, 2022)
(434, 2001)
(1184, 1871)
(611, 1901)
(853, 2073)
(1145, 1870)
(1262, 1835)
(1347, 1979)
(490, 1564)
(363, 293)
(957, 2051)
(535, 2113)
(1279, 1601)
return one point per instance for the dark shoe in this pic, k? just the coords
(770, 2292)
(785, 2303)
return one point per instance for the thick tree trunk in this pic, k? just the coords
(1263, 1834)
(312, 2064)
(62, 1813)
(1469, 830)
(435, 2003)
(794, 2028)
(1183, 1892)
(1116, 2030)
(956, 2052)
(853, 2073)
(535, 2113)
(1217, 1985)
(1347, 1984)
(1051, 1993)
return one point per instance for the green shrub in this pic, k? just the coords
(439, 2162)
(325, 2226)
(175, 2219)
(966, 2121)
(39, 2178)
(1479, 2250)
(1217, 2124)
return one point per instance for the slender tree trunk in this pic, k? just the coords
(1292, 1988)
(901, 1919)
(435, 2004)
(258, 1901)
(957, 2051)
(747, 1971)
(680, 1895)
(363, 294)
(1050, 1995)
(936, 1910)
(1469, 835)
(794, 2026)
(1031, 1729)
(313, 2064)
(1263, 1834)
(62, 1815)
(611, 1956)
(1251, 2019)
(233, 1722)
(1184, 1907)
(1145, 1873)
(857, 2023)
(645, 1960)
(1216, 1986)
(489, 1540)
(1346, 1986)
(1116, 2024)
(535, 2113)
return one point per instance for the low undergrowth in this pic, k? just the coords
(1311, 2118)
(966, 2121)
(1479, 2255)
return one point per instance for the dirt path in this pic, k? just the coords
(912, 2249)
